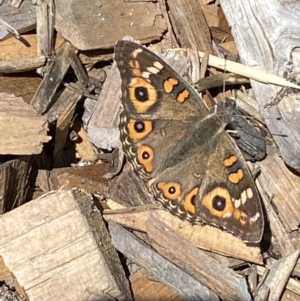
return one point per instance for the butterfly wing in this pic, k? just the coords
(159, 108)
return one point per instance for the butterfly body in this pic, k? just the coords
(191, 165)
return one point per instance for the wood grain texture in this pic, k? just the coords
(62, 250)
(283, 188)
(22, 19)
(23, 131)
(107, 22)
(225, 283)
(14, 171)
(204, 237)
(266, 32)
(58, 68)
(190, 25)
(278, 277)
(157, 266)
(21, 65)
(143, 286)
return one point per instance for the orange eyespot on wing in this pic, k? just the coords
(139, 129)
(189, 204)
(142, 94)
(170, 190)
(145, 155)
(218, 202)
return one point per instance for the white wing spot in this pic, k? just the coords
(249, 193)
(158, 65)
(136, 52)
(244, 197)
(153, 70)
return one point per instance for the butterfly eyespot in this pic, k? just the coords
(139, 129)
(141, 93)
(241, 216)
(145, 156)
(219, 203)
(139, 126)
(189, 200)
(170, 190)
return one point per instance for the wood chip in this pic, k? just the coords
(61, 249)
(163, 270)
(23, 130)
(107, 22)
(275, 52)
(278, 277)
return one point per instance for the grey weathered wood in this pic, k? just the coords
(283, 188)
(103, 129)
(278, 277)
(45, 27)
(45, 93)
(107, 22)
(293, 285)
(22, 19)
(268, 44)
(157, 266)
(224, 282)
(61, 249)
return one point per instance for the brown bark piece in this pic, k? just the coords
(190, 25)
(142, 286)
(107, 22)
(61, 249)
(89, 178)
(267, 49)
(23, 132)
(22, 85)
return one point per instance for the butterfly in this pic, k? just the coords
(181, 149)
